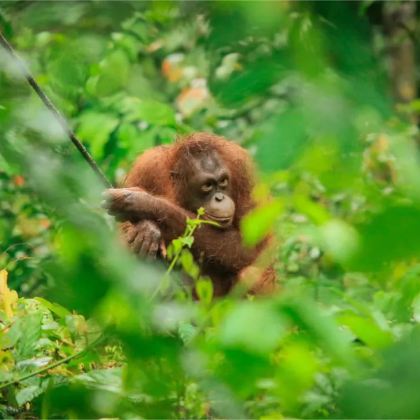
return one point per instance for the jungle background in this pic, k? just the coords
(324, 97)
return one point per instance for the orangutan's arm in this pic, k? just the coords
(211, 244)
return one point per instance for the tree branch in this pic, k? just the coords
(58, 116)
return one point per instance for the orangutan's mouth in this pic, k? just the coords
(222, 221)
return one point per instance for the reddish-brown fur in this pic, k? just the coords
(161, 172)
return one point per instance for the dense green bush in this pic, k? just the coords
(305, 88)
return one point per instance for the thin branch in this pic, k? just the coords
(410, 32)
(59, 117)
(52, 365)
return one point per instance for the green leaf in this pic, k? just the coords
(258, 222)
(113, 75)
(128, 135)
(253, 326)
(187, 332)
(187, 241)
(155, 112)
(204, 289)
(391, 235)
(95, 129)
(27, 330)
(30, 392)
(148, 110)
(280, 140)
(340, 240)
(67, 71)
(59, 310)
(253, 81)
(174, 248)
(322, 329)
(367, 330)
(188, 264)
(102, 379)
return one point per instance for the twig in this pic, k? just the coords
(52, 365)
(59, 117)
(192, 225)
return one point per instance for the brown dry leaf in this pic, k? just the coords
(172, 68)
(192, 99)
(19, 180)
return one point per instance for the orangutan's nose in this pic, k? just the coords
(219, 197)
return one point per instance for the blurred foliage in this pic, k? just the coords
(305, 87)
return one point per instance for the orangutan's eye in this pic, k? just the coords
(207, 187)
(223, 183)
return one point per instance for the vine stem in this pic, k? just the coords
(189, 230)
(192, 225)
(52, 108)
(52, 365)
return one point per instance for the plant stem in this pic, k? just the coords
(192, 225)
(52, 365)
(55, 112)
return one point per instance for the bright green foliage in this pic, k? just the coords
(179, 255)
(305, 88)
(45, 346)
